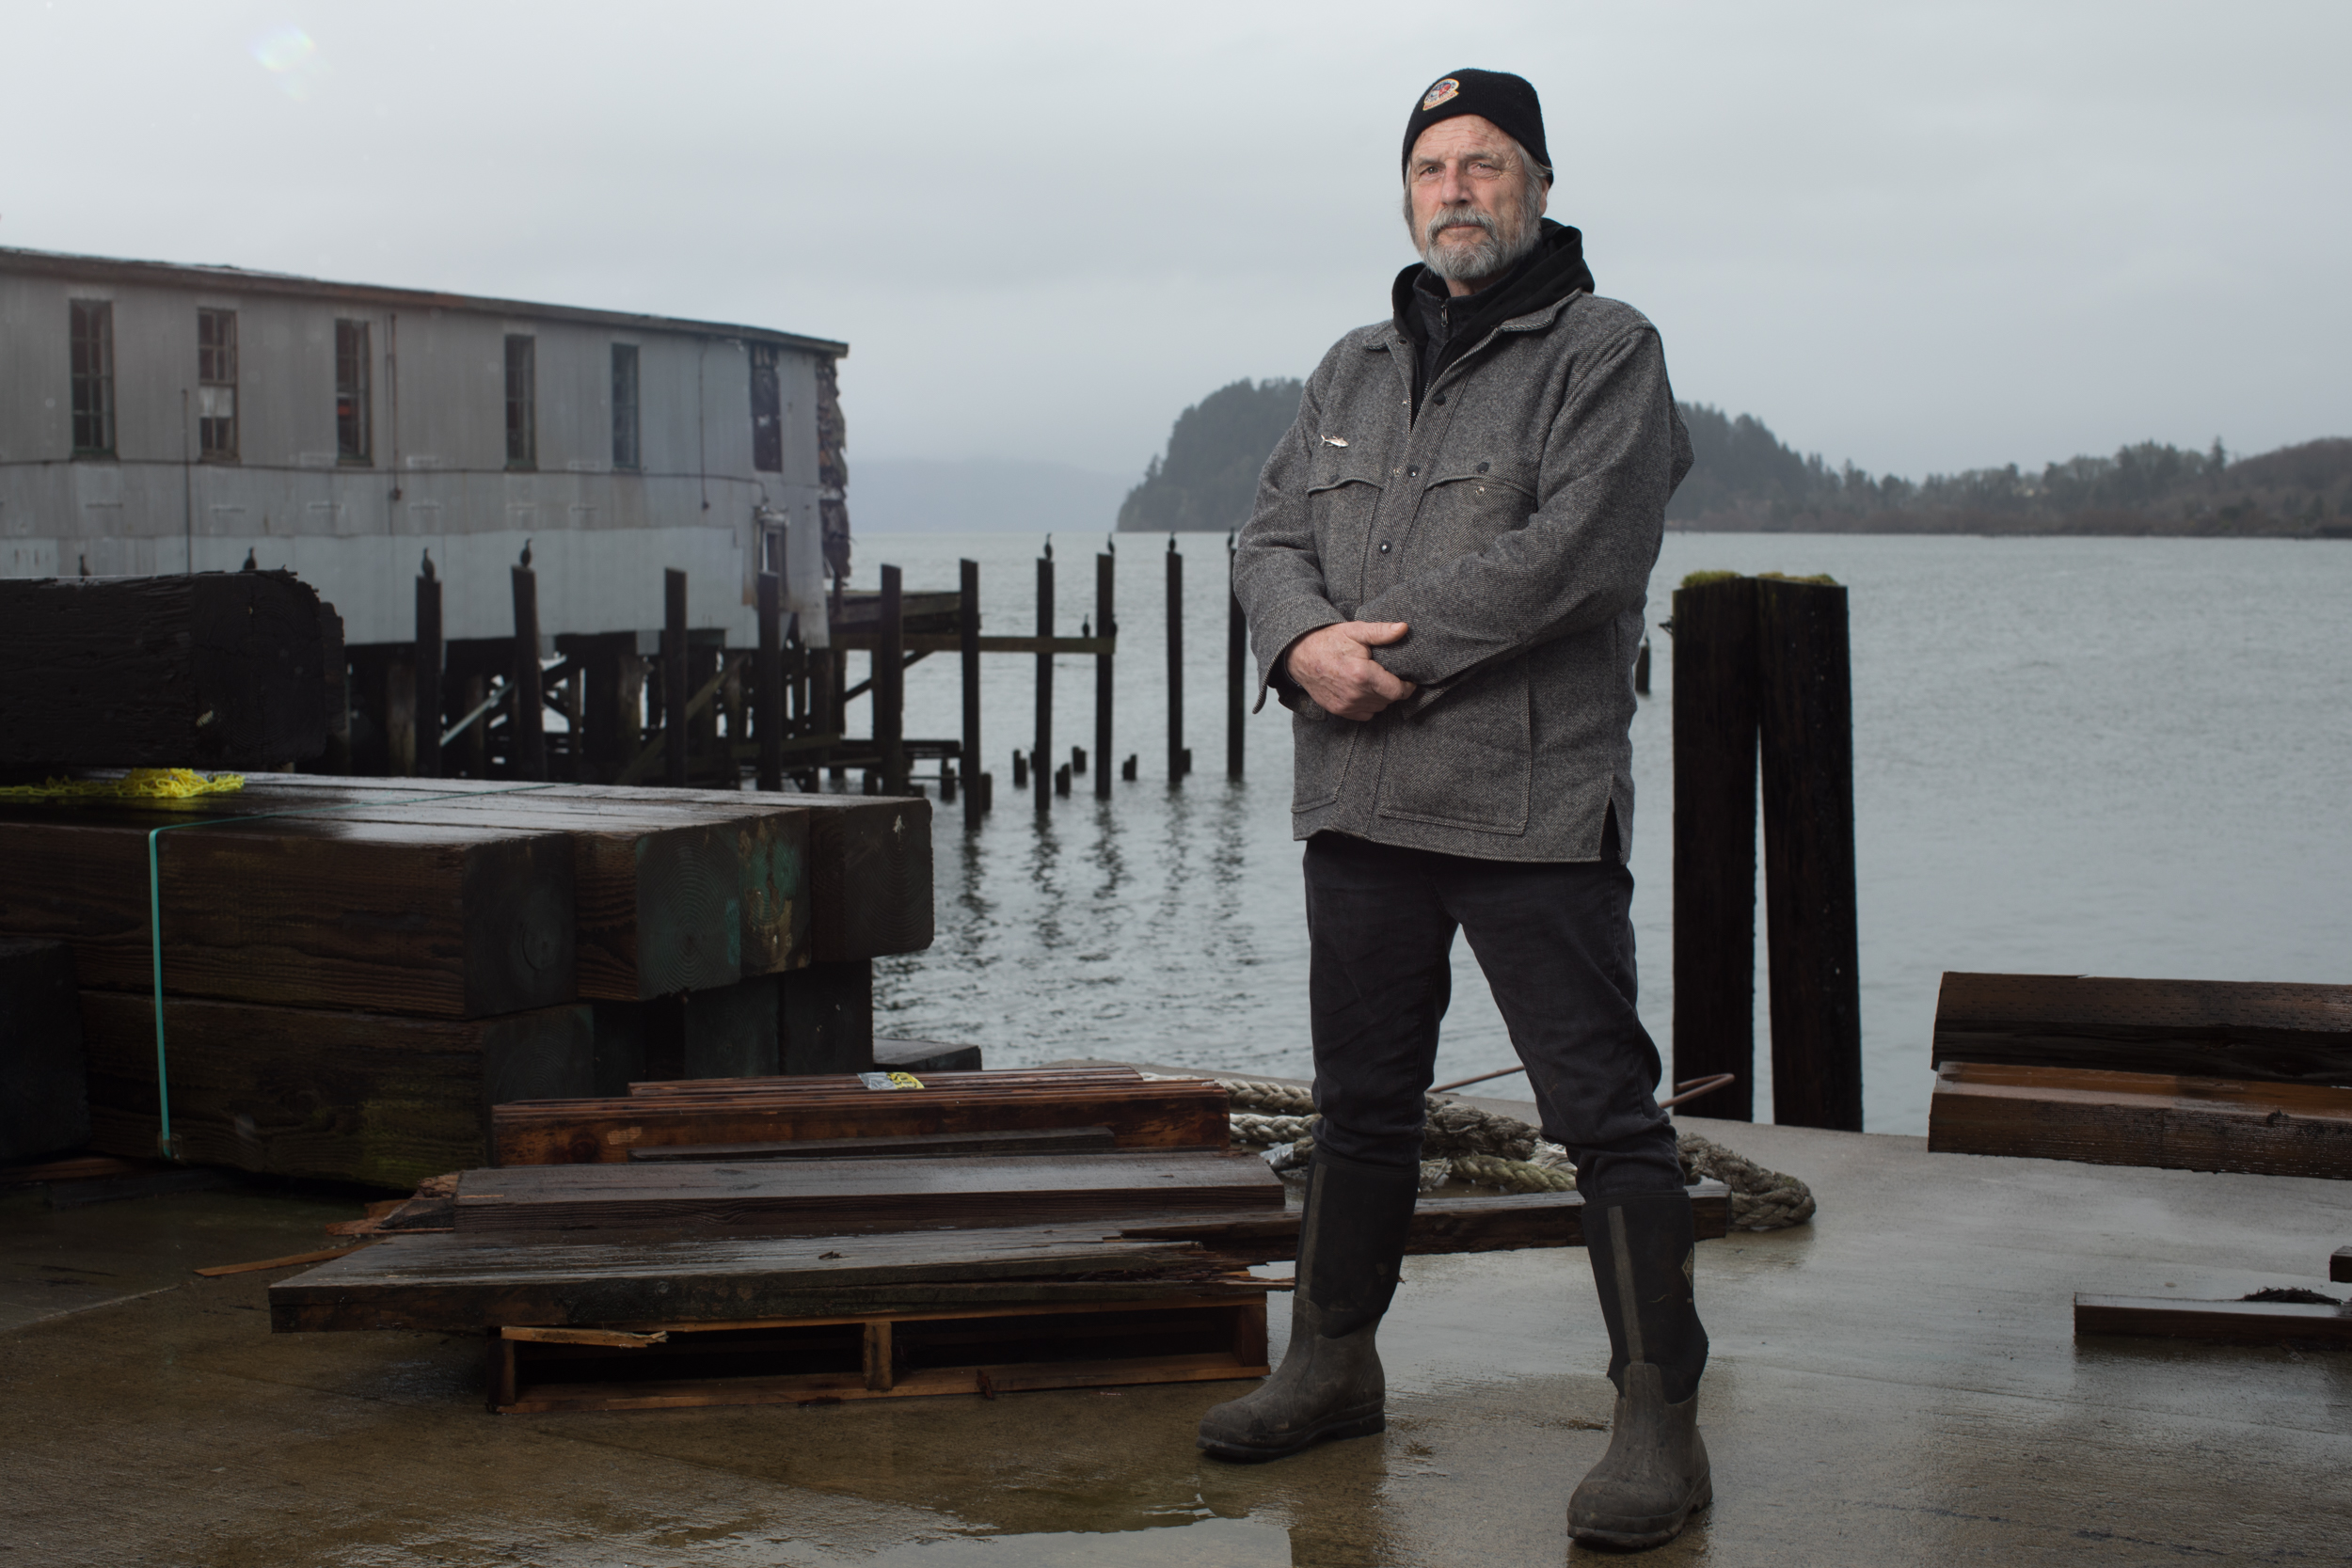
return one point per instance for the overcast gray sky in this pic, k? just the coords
(1921, 236)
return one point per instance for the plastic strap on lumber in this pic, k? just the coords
(164, 1141)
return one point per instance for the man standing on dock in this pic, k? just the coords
(1444, 577)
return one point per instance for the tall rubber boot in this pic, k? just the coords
(1330, 1383)
(1655, 1475)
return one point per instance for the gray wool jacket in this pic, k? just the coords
(1514, 525)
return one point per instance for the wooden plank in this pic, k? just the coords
(1152, 1114)
(1056, 1140)
(322, 1255)
(460, 1282)
(868, 861)
(965, 1351)
(44, 1075)
(320, 1093)
(2209, 1028)
(2299, 1324)
(1714, 842)
(206, 670)
(674, 893)
(1804, 722)
(810, 1197)
(922, 1056)
(2130, 1118)
(852, 1086)
(1505, 1224)
(604, 1339)
(450, 922)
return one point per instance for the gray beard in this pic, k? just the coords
(1489, 256)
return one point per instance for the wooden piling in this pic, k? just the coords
(1106, 625)
(1175, 663)
(768, 719)
(1020, 768)
(968, 634)
(1805, 722)
(890, 685)
(427, 669)
(1714, 839)
(527, 744)
(673, 692)
(1236, 667)
(1041, 765)
(1641, 670)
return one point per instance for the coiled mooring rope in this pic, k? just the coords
(1488, 1150)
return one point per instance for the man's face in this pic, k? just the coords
(1471, 199)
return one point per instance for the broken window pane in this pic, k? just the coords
(767, 411)
(216, 385)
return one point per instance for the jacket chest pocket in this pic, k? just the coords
(1469, 761)
(1471, 503)
(1343, 491)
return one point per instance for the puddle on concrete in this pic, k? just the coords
(1204, 1543)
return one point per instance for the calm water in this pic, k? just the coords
(2098, 756)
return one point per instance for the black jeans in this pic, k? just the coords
(1556, 942)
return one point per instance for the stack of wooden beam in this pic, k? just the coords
(908, 1264)
(355, 971)
(2188, 1074)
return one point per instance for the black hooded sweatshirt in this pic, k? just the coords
(1444, 327)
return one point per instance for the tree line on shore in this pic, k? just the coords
(1745, 479)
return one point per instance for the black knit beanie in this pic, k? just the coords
(1506, 100)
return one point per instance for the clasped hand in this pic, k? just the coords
(1336, 667)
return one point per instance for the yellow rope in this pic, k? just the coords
(140, 784)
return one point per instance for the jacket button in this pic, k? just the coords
(1483, 467)
(1384, 547)
(1439, 400)
(1413, 471)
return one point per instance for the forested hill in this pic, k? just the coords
(1209, 476)
(1746, 478)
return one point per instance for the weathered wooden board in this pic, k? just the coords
(1058, 1140)
(925, 1056)
(450, 922)
(345, 1096)
(2134, 1119)
(967, 1350)
(2209, 1028)
(2300, 1323)
(460, 1283)
(1141, 1114)
(869, 868)
(209, 670)
(1504, 1223)
(675, 893)
(815, 1197)
(818, 1087)
(44, 1089)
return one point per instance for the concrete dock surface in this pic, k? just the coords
(1896, 1382)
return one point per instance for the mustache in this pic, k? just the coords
(1446, 217)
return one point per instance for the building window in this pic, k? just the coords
(626, 454)
(522, 412)
(216, 385)
(350, 392)
(93, 334)
(767, 411)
